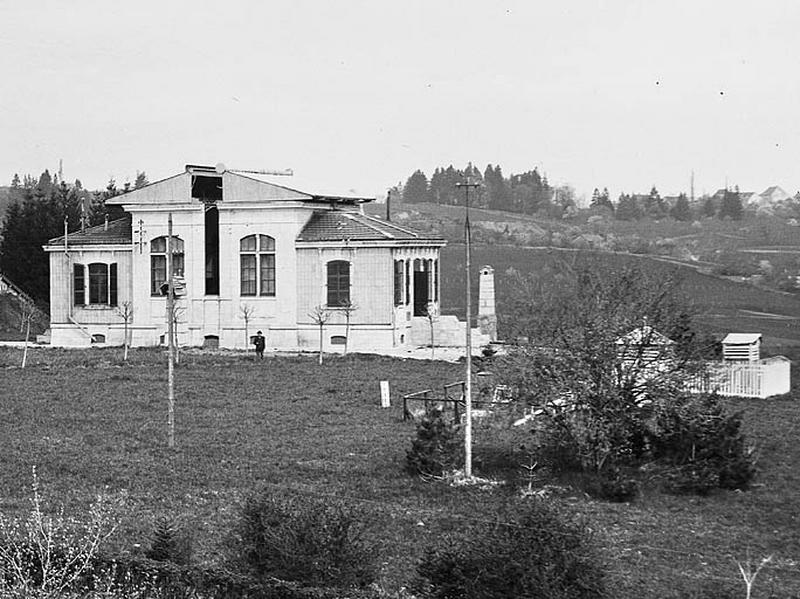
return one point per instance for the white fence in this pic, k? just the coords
(760, 379)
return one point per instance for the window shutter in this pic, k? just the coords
(78, 285)
(112, 284)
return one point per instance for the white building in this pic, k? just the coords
(242, 242)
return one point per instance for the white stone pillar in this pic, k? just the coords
(487, 317)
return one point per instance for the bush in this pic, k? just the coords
(292, 537)
(48, 554)
(534, 553)
(169, 542)
(704, 443)
(696, 478)
(611, 485)
(436, 449)
(123, 576)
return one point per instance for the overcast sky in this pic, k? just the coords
(356, 95)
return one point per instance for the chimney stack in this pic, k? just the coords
(487, 317)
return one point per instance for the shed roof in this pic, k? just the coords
(644, 334)
(118, 232)
(341, 225)
(741, 338)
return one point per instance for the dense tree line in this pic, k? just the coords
(38, 212)
(526, 193)
(725, 204)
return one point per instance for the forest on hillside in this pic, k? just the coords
(530, 193)
(38, 210)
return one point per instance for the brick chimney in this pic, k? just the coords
(487, 317)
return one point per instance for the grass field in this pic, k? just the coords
(87, 421)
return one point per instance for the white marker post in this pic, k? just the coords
(385, 398)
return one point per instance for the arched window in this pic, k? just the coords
(338, 283)
(102, 284)
(158, 262)
(257, 265)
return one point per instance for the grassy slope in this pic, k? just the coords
(11, 317)
(87, 422)
(720, 302)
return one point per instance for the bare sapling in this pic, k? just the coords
(347, 308)
(246, 312)
(125, 310)
(749, 572)
(46, 555)
(28, 312)
(432, 313)
(320, 316)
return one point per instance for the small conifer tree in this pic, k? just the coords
(435, 450)
(164, 545)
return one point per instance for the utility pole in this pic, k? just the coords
(468, 388)
(170, 327)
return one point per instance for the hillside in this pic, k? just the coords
(723, 305)
(11, 318)
(762, 251)
(5, 200)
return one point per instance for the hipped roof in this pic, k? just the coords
(118, 232)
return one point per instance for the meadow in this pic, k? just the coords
(90, 422)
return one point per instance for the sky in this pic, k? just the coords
(356, 95)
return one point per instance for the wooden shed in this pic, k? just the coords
(741, 347)
(646, 347)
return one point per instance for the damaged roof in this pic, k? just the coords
(118, 232)
(340, 225)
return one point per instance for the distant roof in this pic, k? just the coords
(118, 232)
(340, 225)
(772, 189)
(741, 338)
(642, 334)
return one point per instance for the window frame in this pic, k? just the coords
(95, 284)
(259, 261)
(158, 262)
(399, 282)
(338, 283)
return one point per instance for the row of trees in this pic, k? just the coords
(37, 212)
(527, 192)
(652, 205)
(531, 193)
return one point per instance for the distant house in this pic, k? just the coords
(242, 241)
(772, 195)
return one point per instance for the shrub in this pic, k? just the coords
(47, 555)
(294, 538)
(537, 552)
(696, 478)
(169, 542)
(436, 448)
(611, 485)
(704, 443)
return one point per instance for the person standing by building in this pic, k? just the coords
(259, 342)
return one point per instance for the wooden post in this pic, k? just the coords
(468, 341)
(170, 327)
(27, 336)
